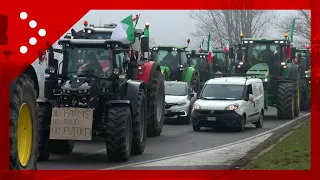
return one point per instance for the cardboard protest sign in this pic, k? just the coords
(71, 124)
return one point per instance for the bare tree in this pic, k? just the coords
(226, 25)
(302, 27)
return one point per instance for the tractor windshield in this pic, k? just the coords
(261, 52)
(223, 92)
(95, 61)
(194, 60)
(166, 58)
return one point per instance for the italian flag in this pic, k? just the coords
(210, 54)
(201, 45)
(124, 31)
(226, 48)
(136, 19)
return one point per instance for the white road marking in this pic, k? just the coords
(218, 147)
(222, 156)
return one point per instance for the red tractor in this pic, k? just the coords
(139, 68)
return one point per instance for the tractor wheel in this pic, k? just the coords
(44, 116)
(24, 127)
(61, 146)
(297, 98)
(118, 133)
(139, 125)
(285, 101)
(156, 105)
(305, 104)
(195, 82)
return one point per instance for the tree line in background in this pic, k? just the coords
(226, 25)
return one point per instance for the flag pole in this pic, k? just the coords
(136, 20)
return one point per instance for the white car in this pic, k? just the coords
(229, 102)
(179, 100)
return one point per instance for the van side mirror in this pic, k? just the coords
(250, 97)
(145, 44)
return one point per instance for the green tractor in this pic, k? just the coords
(174, 65)
(272, 59)
(199, 60)
(303, 56)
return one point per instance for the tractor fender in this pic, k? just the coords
(29, 70)
(190, 71)
(132, 91)
(294, 72)
(146, 71)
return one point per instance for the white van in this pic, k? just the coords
(231, 102)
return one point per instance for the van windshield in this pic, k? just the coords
(223, 92)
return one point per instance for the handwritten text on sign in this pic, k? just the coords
(71, 124)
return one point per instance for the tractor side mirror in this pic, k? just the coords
(231, 53)
(145, 44)
(73, 33)
(54, 63)
(293, 52)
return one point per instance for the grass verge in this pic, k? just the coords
(292, 153)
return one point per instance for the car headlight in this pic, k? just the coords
(196, 106)
(232, 107)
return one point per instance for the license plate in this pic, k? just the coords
(211, 118)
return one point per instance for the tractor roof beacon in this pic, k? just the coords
(174, 64)
(273, 59)
(139, 68)
(118, 105)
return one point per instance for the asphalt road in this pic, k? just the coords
(174, 140)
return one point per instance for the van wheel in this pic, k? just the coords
(259, 123)
(241, 127)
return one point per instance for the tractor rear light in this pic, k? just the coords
(239, 66)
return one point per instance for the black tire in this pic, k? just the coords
(139, 125)
(156, 105)
(118, 133)
(285, 101)
(23, 94)
(44, 118)
(297, 98)
(61, 146)
(196, 127)
(304, 104)
(195, 82)
(241, 127)
(259, 123)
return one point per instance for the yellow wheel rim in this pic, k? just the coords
(24, 137)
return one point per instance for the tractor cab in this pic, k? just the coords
(199, 61)
(88, 65)
(267, 55)
(175, 66)
(172, 60)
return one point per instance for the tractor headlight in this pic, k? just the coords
(265, 80)
(283, 63)
(232, 107)
(241, 63)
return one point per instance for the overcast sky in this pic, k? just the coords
(167, 27)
